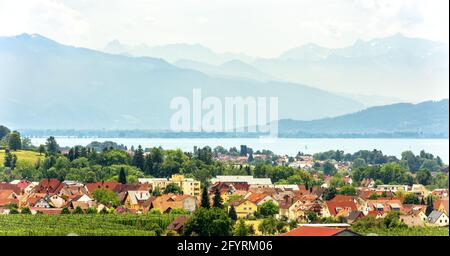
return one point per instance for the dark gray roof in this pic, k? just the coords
(434, 216)
(353, 215)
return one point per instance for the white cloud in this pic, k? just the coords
(47, 17)
(256, 27)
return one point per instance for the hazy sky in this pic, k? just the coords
(262, 28)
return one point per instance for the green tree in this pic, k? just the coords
(411, 199)
(205, 198)
(14, 141)
(267, 209)
(122, 176)
(138, 158)
(241, 229)
(52, 146)
(359, 163)
(423, 176)
(348, 190)
(10, 160)
(373, 196)
(78, 210)
(312, 216)
(25, 210)
(65, 210)
(392, 220)
(430, 165)
(209, 222)
(268, 226)
(232, 213)
(156, 191)
(412, 160)
(329, 193)
(106, 197)
(180, 211)
(3, 131)
(91, 210)
(41, 149)
(173, 188)
(430, 206)
(328, 168)
(217, 200)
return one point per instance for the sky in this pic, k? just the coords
(260, 28)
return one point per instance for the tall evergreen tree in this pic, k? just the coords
(217, 201)
(232, 213)
(205, 198)
(122, 176)
(10, 160)
(430, 206)
(138, 158)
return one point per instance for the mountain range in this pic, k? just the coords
(46, 84)
(399, 67)
(426, 119)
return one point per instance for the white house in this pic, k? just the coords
(438, 218)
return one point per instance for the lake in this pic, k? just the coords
(290, 146)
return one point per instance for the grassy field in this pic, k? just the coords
(22, 156)
(425, 231)
(83, 224)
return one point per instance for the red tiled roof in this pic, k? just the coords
(256, 197)
(335, 206)
(314, 231)
(107, 185)
(50, 186)
(23, 184)
(5, 197)
(375, 213)
(8, 186)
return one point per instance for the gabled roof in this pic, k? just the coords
(107, 185)
(341, 202)
(169, 201)
(8, 197)
(23, 184)
(318, 231)
(177, 224)
(434, 216)
(256, 197)
(353, 215)
(131, 187)
(8, 186)
(49, 186)
(241, 201)
(441, 202)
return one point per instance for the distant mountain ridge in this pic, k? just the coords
(411, 69)
(400, 67)
(426, 119)
(175, 52)
(47, 85)
(231, 69)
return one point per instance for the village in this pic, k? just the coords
(246, 194)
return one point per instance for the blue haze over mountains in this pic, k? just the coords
(47, 85)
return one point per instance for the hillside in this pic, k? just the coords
(427, 119)
(49, 85)
(23, 156)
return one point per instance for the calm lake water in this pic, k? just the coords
(439, 147)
